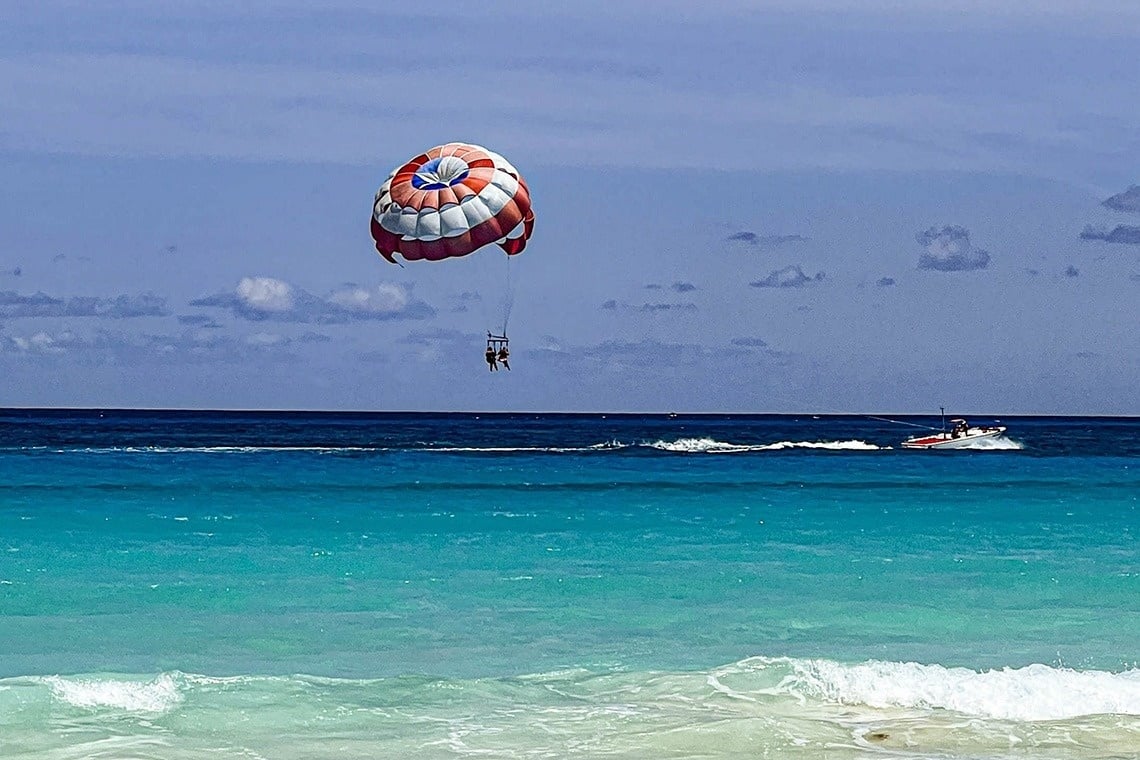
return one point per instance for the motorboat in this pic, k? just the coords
(961, 435)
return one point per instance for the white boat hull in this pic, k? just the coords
(948, 441)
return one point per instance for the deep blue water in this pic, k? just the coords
(158, 568)
(1041, 436)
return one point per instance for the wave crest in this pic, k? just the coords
(155, 696)
(1031, 693)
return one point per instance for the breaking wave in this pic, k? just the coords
(758, 707)
(155, 696)
(1031, 693)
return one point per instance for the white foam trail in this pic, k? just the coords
(604, 446)
(612, 445)
(608, 445)
(481, 449)
(694, 446)
(1032, 693)
(156, 696)
(201, 449)
(681, 445)
(1000, 443)
(852, 445)
(713, 446)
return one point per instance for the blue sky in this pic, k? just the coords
(742, 206)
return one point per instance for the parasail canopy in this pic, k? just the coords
(450, 201)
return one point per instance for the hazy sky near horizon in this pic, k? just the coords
(821, 205)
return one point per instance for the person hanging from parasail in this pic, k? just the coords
(497, 347)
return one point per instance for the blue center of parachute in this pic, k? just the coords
(439, 173)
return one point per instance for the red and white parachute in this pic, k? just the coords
(450, 201)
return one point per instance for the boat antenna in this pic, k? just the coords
(943, 418)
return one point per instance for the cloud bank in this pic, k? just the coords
(16, 306)
(104, 346)
(258, 299)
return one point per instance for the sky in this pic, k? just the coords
(814, 206)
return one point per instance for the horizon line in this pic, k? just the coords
(595, 413)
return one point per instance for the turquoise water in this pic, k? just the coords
(335, 585)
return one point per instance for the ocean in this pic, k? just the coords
(318, 585)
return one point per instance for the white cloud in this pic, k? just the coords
(42, 343)
(385, 298)
(266, 294)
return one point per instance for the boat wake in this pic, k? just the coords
(1000, 443)
(712, 446)
(678, 446)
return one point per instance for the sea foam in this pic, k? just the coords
(154, 696)
(1031, 693)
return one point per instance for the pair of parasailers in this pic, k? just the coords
(495, 358)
